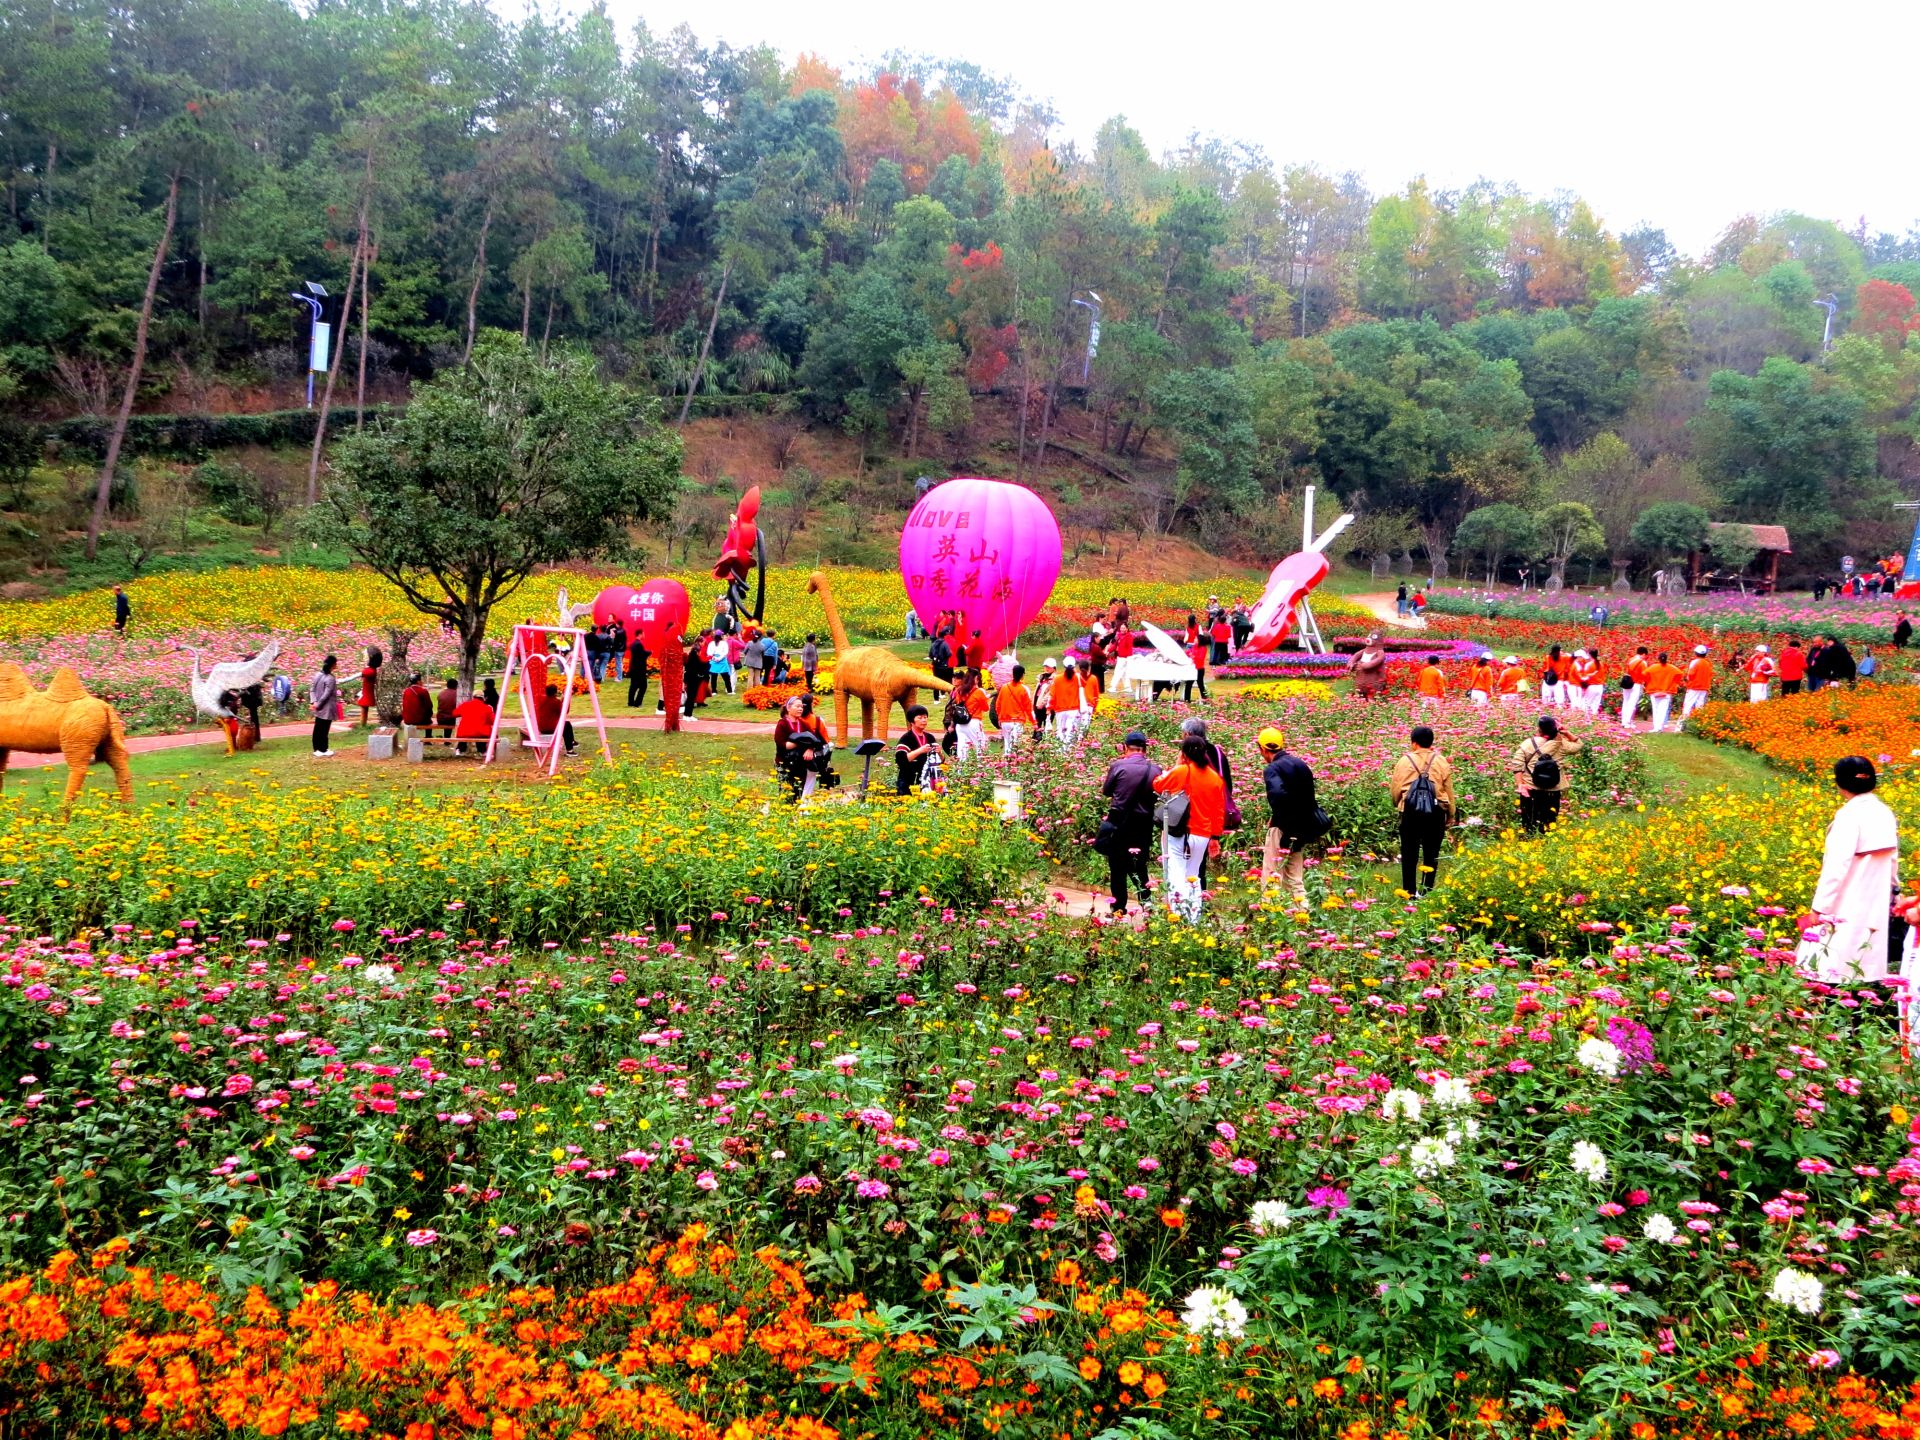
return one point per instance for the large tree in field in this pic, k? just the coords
(492, 471)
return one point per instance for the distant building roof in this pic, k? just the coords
(1765, 537)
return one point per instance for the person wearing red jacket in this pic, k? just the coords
(1637, 669)
(416, 703)
(1793, 667)
(1584, 681)
(1480, 680)
(1699, 682)
(1760, 673)
(546, 714)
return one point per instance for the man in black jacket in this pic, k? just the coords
(1293, 821)
(1127, 833)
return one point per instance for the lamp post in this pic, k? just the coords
(1830, 304)
(319, 333)
(1092, 304)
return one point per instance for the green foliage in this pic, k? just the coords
(1494, 532)
(1779, 445)
(1669, 530)
(502, 466)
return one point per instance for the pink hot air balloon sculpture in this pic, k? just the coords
(985, 548)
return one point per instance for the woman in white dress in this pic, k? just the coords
(1845, 940)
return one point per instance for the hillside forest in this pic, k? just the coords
(899, 272)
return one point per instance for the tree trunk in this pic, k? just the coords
(656, 220)
(1046, 417)
(103, 491)
(1020, 443)
(473, 635)
(546, 331)
(526, 306)
(333, 361)
(46, 193)
(913, 421)
(360, 387)
(706, 345)
(200, 293)
(479, 279)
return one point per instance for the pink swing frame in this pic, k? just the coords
(528, 641)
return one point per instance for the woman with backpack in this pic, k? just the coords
(1422, 786)
(1542, 776)
(1194, 819)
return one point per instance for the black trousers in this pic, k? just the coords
(1199, 679)
(1789, 687)
(637, 686)
(1539, 809)
(321, 725)
(1129, 861)
(566, 735)
(1420, 837)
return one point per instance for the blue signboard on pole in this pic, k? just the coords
(1911, 573)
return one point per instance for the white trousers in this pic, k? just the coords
(1181, 857)
(1067, 724)
(1554, 695)
(1756, 692)
(969, 739)
(1693, 701)
(1630, 703)
(1661, 705)
(1593, 698)
(1010, 733)
(1478, 697)
(1509, 701)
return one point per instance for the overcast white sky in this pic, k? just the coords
(1682, 113)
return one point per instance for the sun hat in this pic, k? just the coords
(1699, 649)
(1759, 649)
(1052, 664)
(1272, 739)
(1511, 660)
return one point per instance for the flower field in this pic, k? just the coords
(1736, 865)
(282, 599)
(624, 847)
(1807, 733)
(643, 1104)
(1351, 745)
(1752, 616)
(971, 1166)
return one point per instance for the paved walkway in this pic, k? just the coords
(142, 744)
(1382, 608)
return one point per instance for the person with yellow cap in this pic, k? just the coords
(1295, 820)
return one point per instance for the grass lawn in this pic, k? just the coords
(1680, 767)
(167, 777)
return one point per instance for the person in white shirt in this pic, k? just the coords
(1845, 936)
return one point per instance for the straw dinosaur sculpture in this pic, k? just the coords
(878, 676)
(62, 719)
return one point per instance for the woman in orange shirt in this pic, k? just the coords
(1480, 680)
(1510, 677)
(1197, 778)
(1014, 708)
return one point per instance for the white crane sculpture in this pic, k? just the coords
(211, 689)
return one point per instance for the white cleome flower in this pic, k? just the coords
(1602, 1057)
(1401, 1105)
(1451, 1093)
(1589, 1161)
(1660, 1229)
(1460, 1134)
(1213, 1311)
(1797, 1290)
(1430, 1156)
(380, 974)
(1269, 1217)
